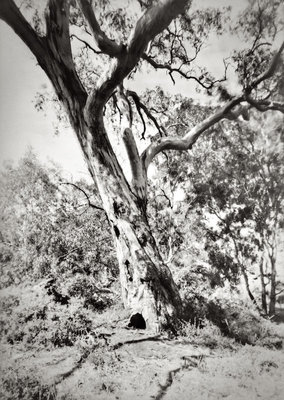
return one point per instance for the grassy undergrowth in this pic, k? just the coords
(66, 351)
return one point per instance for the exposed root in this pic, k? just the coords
(78, 365)
(188, 362)
(169, 381)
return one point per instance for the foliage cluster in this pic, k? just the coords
(49, 230)
(222, 204)
(57, 261)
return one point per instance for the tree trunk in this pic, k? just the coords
(251, 296)
(263, 286)
(272, 294)
(147, 284)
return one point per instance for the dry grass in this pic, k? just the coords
(112, 362)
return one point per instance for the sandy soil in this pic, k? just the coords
(131, 365)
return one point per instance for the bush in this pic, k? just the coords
(22, 384)
(209, 335)
(56, 326)
(239, 320)
(45, 231)
(194, 287)
(233, 317)
(95, 298)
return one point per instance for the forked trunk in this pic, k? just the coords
(147, 284)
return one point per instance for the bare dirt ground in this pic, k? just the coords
(132, 365)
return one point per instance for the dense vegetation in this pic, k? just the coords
(55, 237)
(179, 229)
(59, 276)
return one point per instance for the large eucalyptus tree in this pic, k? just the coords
(164, 35)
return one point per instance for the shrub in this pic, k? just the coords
(85, 287)
(22, 384)
(209, 335)
(238, 319)
(48, 325)
(195, 289)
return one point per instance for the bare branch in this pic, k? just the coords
(185, 75)
(140, 106)
(105, 44)
(166, 197)
(87, 45)
(85, 194)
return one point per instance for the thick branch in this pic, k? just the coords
(105, 44)
(138, 172)
(229, 111)
(186, 142)
(10, 13)
(152, 22)
(57, 30)
(265, 105)
(53, 52)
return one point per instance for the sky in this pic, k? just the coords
(22, 126)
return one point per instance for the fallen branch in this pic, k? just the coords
(134, 341)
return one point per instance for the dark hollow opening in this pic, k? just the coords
(137, 322)
(116, 231)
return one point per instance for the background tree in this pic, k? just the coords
(53, 229)
(169, 35)
(239, 190)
